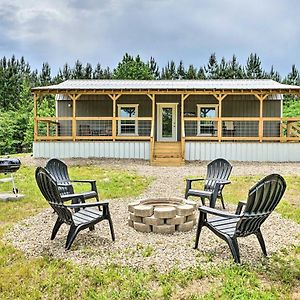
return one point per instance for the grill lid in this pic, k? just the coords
(9, 165)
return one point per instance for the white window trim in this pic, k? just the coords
(199, 106)
(136, 106)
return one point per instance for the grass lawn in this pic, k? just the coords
(46, 278)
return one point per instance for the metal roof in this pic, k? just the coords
(217, 84)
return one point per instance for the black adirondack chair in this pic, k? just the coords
(59, 171)
(262, 200)
(218, 172)
(86, 215)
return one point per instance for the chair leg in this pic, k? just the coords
(222, 201)
(261, 242)
(111, 228)
(56, 227)
(71, 236)
(202, 216)
(234, 248)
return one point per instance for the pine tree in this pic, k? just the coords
(235, 70)
(98, 72)
(253, 69)
(191, 73)
(212, 68)
(45, 75)
(293, 77)
(154, 68)
(77, 72)
(88, 70)
(201, 73)
(181, 74)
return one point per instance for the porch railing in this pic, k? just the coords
(193, 128)
(92, 128)
(242, 129)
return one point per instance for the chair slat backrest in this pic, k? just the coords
(263, 197)
(219, 168)
(49, 189)
(59, 171)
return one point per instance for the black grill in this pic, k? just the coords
(9, 165)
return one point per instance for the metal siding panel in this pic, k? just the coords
(147, 152)
(272, 152)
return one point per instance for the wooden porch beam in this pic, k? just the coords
(220, 98)
(114, 98)
(261, 98)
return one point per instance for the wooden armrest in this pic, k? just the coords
(217, 212)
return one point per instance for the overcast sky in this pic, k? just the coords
(59, 31)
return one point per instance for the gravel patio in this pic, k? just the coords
(146, 250)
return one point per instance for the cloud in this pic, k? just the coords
(61, 31)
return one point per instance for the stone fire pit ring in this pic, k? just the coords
(162, 215)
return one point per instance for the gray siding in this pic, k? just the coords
(135, 150)
(273, 152)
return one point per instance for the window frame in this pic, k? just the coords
(120, 125)
(199, 106)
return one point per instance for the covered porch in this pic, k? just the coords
(151, 114)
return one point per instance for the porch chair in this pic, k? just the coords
(228, 128)
(263, 197)
(218, 172)
(59, 171)
(86, 215)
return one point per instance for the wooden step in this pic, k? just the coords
(167, 154)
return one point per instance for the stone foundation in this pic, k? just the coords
(162, 215)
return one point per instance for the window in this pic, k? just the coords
(207, 111)
(127, 126)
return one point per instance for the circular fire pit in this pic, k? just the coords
(162, 215)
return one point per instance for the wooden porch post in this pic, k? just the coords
(261, 98)
(74, 97)
(152, 98)
(35, 98)
(114, 98)
(220, 98)
(183, 98)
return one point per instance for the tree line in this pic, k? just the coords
(17, 78)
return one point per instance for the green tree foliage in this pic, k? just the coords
(132, 68)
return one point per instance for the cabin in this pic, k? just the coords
(167, 122)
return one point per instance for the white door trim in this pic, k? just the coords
(160, 106)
